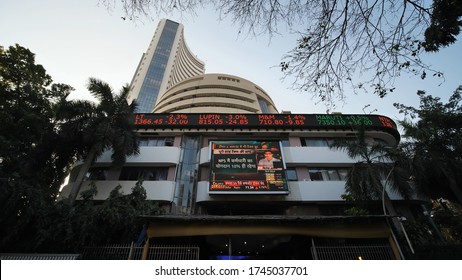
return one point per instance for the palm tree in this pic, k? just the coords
(99, 127)
(375, 163)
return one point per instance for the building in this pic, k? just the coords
(167, 61)
(215, 93)
(237, 180)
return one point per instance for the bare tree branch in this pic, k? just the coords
(363, 44)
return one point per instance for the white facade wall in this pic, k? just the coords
(153, 155)
(155, 190)
(214, 93)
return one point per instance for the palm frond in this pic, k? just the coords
(101, 91)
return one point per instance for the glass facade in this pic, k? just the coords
(144, 173)
(156, 141)
(328, 174)
(156, 70)
(263, 106)
(186, 176)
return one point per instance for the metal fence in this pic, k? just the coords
(166, 252)
(353, 253)
(131, 252)
(59, 257)
(347, 251)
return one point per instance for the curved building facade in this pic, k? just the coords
(236, 178)
(202, 170)
(167, 61)
(215, 93)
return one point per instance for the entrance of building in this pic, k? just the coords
(246, 247)
(259, 247)
(278, 247)
(275, 237)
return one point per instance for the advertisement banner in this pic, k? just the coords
(247, 167)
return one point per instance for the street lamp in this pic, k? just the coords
(395, 219)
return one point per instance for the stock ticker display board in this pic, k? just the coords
(262, 121)
(240, 166)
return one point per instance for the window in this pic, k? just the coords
(291, 174)
(327, 174)
(156, 141)
(263, 106)
(343, 173)
(317, 141)
(315, 175)
(323, 141)
(97, 173)
(285, 143)
(144, 173)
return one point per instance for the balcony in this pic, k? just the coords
(155, 190)
(159, 155)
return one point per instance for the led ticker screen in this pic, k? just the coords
(247, 167)
(301, 121)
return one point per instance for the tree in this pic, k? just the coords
(339, 40)
(375, 163)
(103, 126)
(118, 220)
(41, 135)
(445, 24)
(31, 167)
(448, 216)
(91, 223)
(434, 143)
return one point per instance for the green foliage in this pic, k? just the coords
(89, 222)
(434, 144)
(116, 220)
(28, 137)
(438, 252)
(448, 216)
(434, 148)
(31, 168)
(420, 231)
(375, 162)
(41, 135)
(100, 127)
(358, 209)
(445, 24)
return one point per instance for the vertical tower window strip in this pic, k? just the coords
(263, 106)
(156, 70)
(186, 177)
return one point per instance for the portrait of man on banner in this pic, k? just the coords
(269, 161)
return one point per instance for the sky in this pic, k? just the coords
(75, 40)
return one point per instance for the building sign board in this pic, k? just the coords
(265, 121)
(247, 167)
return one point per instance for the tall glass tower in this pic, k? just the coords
(167, 61)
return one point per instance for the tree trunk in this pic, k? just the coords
(82, 172)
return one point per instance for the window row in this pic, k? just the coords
(319, 174)
(156, 141)
(327, 141)
(130, 173)
(328, 174)
(305, 141)
(161, 174)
